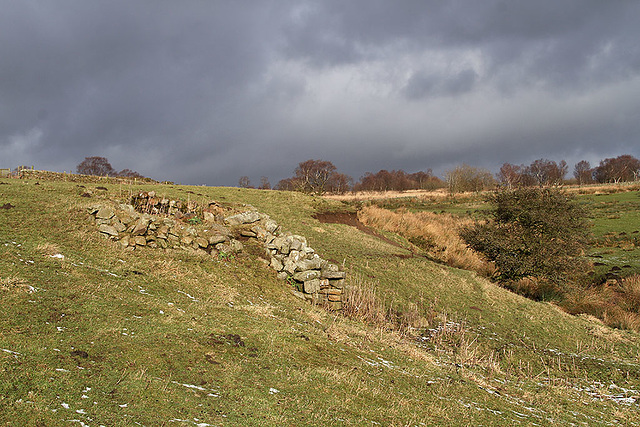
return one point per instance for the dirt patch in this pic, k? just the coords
(7, 206)
(351, 218)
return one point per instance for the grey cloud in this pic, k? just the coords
(204, 92)
(421, 85)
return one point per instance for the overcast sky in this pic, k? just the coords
(203, 92)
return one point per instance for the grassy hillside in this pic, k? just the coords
(92, 334)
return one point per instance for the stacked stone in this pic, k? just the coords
(151, 203)
(316, 280)
(133, 229)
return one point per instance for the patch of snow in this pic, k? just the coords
(14, 353)
(188, 296)
(214, 393)
(58, 256)
(273, 390)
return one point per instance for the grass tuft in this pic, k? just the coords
(436, 234)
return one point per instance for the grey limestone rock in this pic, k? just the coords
(247, 217)
(105, 213)
(304, 276)
(108, 230)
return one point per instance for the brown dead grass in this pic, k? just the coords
(15, 284)
(48, 248)
(435, 233)
(375, 195)
(618, 305)
(363, 303)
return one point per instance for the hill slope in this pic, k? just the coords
(92, 334)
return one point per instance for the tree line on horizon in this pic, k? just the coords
(321, 176)
(100, 166)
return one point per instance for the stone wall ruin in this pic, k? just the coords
(157, 222)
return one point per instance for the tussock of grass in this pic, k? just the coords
(15, 284)
(363, 303)
(618, 305)
(437, 234)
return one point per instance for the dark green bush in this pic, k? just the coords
(533, 233)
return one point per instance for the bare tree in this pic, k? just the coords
(244, 182)
(287, 184)
(96, 166)
(469, 178)
(128, 173)
(264, 183)
(618, 169)
(510, 175)
(547, 172)
(583, 172)
(313, 175)
(339, 183)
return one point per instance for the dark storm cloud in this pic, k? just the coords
(204, 92)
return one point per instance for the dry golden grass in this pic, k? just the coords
(436, 233)
(374, 195)
(631, 289)
(618, 305)
(15, 284)
(48, 248)
(363, 303)
(604, 188)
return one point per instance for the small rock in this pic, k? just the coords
(202, 242)
(333, 274)
(276, 264)
(337, 283)
(236, 246)
(108, 229)
(271, 226)
(247, 233)
(243, 218)
(311, 286)
(141, 225)
(124, 241)
(309, 264)
(105, 213)
(140, 240)
(93, 210)
(304, 276)
(217, 238)
(299, 295)
(120, 227)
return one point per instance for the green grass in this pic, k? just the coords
(616, 231)
(149, 337)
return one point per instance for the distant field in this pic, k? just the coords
(616, 231)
